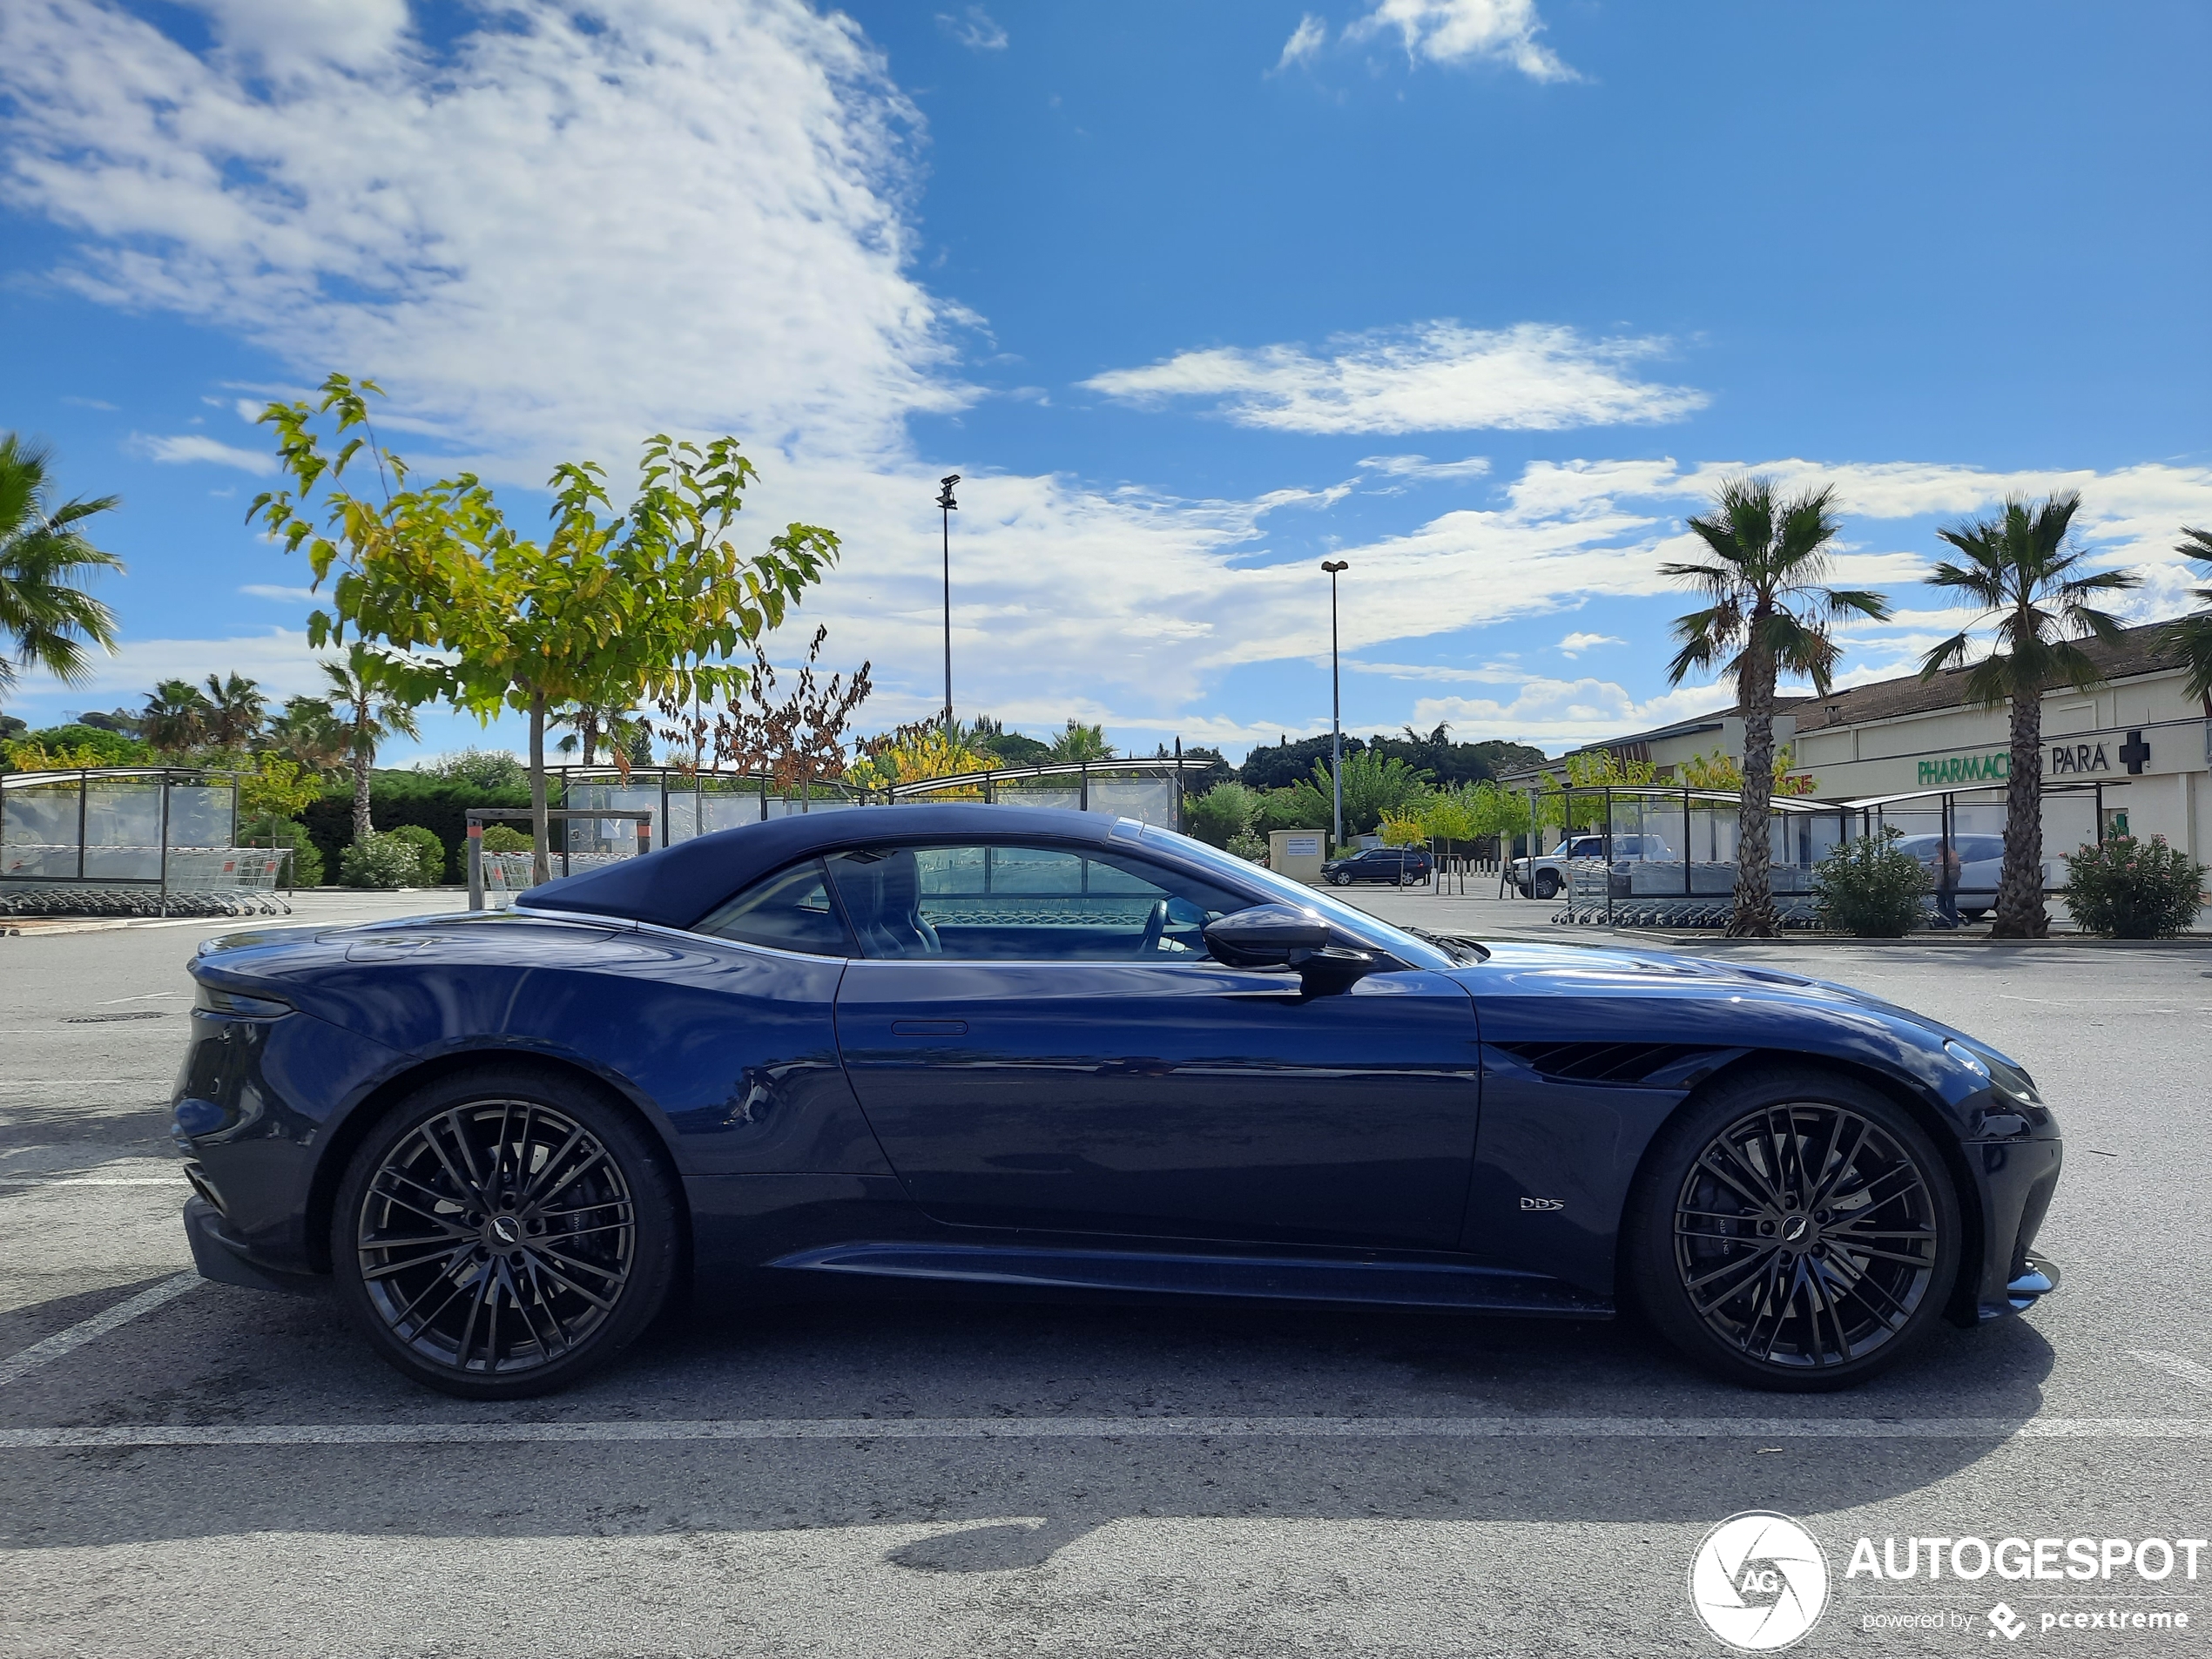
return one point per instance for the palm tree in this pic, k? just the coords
(592, 724)
(308, 734)
(1771, 609)
(2016, 572)
(176, 717)
(365, 687)
(235, 709)
(2192, 635)
(44, 560)
(1081, 742)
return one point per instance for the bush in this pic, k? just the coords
(2132, 889)
(1294, 809)
(480, 768)
(430, 853)
(384, 862)
(505, 838)
(398, 797)
(306, 859)
(1869, 888)
(1222, 814)
(1250, 848)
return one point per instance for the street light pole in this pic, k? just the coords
(945, 501)
(1335, 703)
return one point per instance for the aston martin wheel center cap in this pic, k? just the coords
(505, 1231)
(1795, 1229)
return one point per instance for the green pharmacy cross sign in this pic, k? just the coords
(1968, 769)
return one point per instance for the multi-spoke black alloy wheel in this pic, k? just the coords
(499, 1236)
(1795, 1230)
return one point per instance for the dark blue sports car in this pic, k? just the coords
(988, 1046)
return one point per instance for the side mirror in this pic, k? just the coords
(1268, 935)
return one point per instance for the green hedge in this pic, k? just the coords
(397, 798)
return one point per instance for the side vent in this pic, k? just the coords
(1608, 1062)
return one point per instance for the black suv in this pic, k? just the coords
(1397, 865)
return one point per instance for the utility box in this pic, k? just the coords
(1296, 853)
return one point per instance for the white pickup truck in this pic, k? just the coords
(1543, 876)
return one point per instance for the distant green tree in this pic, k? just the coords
(2019, 569)
(236, 707)
(1375, 784)
(377, 701)
(46, 617)
(486, 769)
(1223, 814)
(308, 732)
(176, 717)
(2192, 636)
(1081, 742)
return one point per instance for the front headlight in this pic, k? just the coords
(2000, 1075)
(208, 999)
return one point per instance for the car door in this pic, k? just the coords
(1041, 1041)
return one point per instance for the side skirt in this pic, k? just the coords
(1443, 1286)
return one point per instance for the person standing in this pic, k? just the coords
(1946, 875)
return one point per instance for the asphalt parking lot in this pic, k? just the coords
(224, 1472)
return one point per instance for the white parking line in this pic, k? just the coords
(2173, 1366)
(65, 1342)
(1115, 1428)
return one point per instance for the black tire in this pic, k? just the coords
(1341, 878)
(1547, 885)
(1973, 915)
(501, 1198)
(1792, 1229)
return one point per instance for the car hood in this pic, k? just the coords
(1586, 971)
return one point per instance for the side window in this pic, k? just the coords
(1025, 903)
(790, 910)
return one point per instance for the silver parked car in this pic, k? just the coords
(1981, 862)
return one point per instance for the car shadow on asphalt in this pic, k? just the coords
(991, 1505)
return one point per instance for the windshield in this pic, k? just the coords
(1407, 946)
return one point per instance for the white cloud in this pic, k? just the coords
(289, 595)
(538, 238)
(1431, 377)
(1458, 32)
(280, 659)
(974, 30)
(1422, 469)
(1305, 43)
(89, 403)
(1575, 643)
(190, 447)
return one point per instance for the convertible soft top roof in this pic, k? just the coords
(676, 885)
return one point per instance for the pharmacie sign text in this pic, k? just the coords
(1968, 769)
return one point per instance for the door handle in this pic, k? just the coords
(928, 1027)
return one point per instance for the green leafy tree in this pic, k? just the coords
(378, 697)
(484, 769)
(653, 604)
(45, 559)
(276, 787)
(236, 707)
(2192, 636)
(176, 719)
(1769, 614)
(2019, 569)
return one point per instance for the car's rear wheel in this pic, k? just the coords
(1793, 1229)
(502, 1234)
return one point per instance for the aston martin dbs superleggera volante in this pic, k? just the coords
(1043, 1051)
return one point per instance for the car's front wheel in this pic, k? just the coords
(1342, 878)
(1547, 885)
(500, 1234)
(1794, 1229)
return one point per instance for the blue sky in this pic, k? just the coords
(1482, 295)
